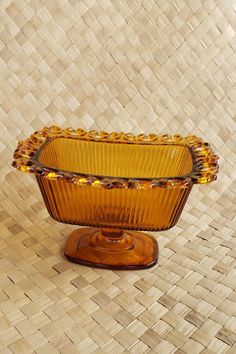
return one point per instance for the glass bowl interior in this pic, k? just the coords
(115, 159)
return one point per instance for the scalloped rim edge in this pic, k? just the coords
(205, 165)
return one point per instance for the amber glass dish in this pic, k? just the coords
(115, 183)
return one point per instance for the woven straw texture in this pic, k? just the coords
(133, 66)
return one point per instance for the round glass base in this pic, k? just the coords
(111, 248)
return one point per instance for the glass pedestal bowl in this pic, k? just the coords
(115, 183)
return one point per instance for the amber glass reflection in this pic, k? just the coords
(117, 159)
(116, 209)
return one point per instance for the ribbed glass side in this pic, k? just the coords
(143, 209)
(117, 159)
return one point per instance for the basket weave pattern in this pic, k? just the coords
(141, 66)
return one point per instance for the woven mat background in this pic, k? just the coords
(139, 66)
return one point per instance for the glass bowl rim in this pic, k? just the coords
(205, 165)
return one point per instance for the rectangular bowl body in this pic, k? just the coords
(115, 180)
(130, 204)
(140, 209)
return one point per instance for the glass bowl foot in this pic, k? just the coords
(111, 248)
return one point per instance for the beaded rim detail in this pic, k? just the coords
(205, 165)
